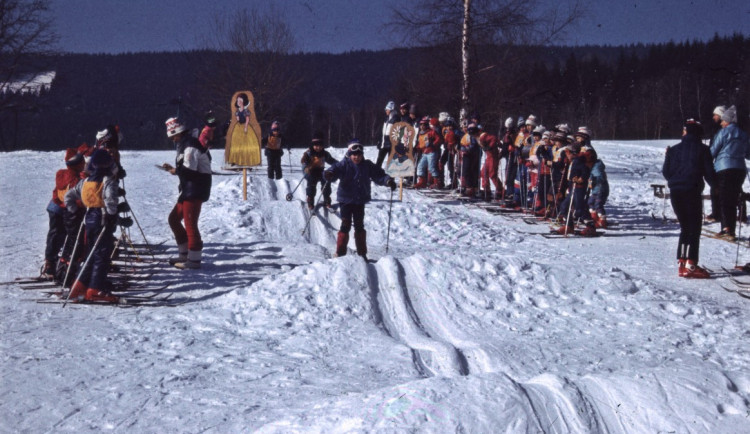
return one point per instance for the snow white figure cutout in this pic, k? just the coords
(243, 144)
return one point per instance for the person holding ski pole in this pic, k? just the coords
(99, 193)
(354, 174)
(193, 167)
(313, 162)
(56, 235)
(686, 165)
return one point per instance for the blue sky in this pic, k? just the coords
(116, 26)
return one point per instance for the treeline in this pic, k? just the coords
(634, 92)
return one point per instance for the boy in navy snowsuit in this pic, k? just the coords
(354, 174)
(313, 161)
(99, 194)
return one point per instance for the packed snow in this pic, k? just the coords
(472, 321)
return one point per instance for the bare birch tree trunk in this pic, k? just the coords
(465, 38)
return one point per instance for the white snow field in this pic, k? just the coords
(472, 322)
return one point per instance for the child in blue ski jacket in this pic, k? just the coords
(599, 189)
(354, 174)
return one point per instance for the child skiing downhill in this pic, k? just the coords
(99, 194)
(313, 163)
(193, 167)
(354, 173)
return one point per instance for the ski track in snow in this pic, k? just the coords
(472, 322)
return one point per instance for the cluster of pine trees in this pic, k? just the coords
(629, 93)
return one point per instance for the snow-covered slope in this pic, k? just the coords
(471, 323)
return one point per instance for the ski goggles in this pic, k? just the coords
(355, 147)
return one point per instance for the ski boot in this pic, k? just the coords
(193, 261)
(310, 203)
(96, 295)
(360, 240)
(681, 270)
(693, 271)
(341, 242)
(421, 182)
(589, 231)
(182, 254)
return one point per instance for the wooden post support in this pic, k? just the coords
(401, 189)
(244, 184)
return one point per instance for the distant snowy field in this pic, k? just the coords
(471, 323)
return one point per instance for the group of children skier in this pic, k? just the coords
(553, 173)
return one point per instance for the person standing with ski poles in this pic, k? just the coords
(57, 235)
(686, 165)
(354, 174)
(99, 193)
(313, 162)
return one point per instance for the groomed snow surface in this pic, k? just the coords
(471, 323)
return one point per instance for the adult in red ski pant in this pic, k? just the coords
(188, 211)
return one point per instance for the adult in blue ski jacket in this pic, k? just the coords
(685, 167)
(354, 174)
(729, 148)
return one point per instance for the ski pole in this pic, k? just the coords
(137, 223)
(290, 196)
(73, 254)
(388, 233)
(86, 263)
(312, 212)
(571, 194)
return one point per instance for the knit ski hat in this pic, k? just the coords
(693, 128)
(101, 159)
(560, 136)
(538, 131)
(174, 127)
(317, 138)
(719, 110)
(443, 116)
(730, 115)
(508, 122)
(583, 131)
(390, 106)
(275, 126)
(404, 106)
(531, 120)
(563, 128)
(72, 157)
(354, 147)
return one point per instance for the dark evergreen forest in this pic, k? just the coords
(628, 93)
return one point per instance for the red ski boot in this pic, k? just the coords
(360, 240)
(341, 241)
(693, 271)
(681, 271)
(96, 295)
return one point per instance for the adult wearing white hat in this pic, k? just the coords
(729, 149)
(715, 205)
